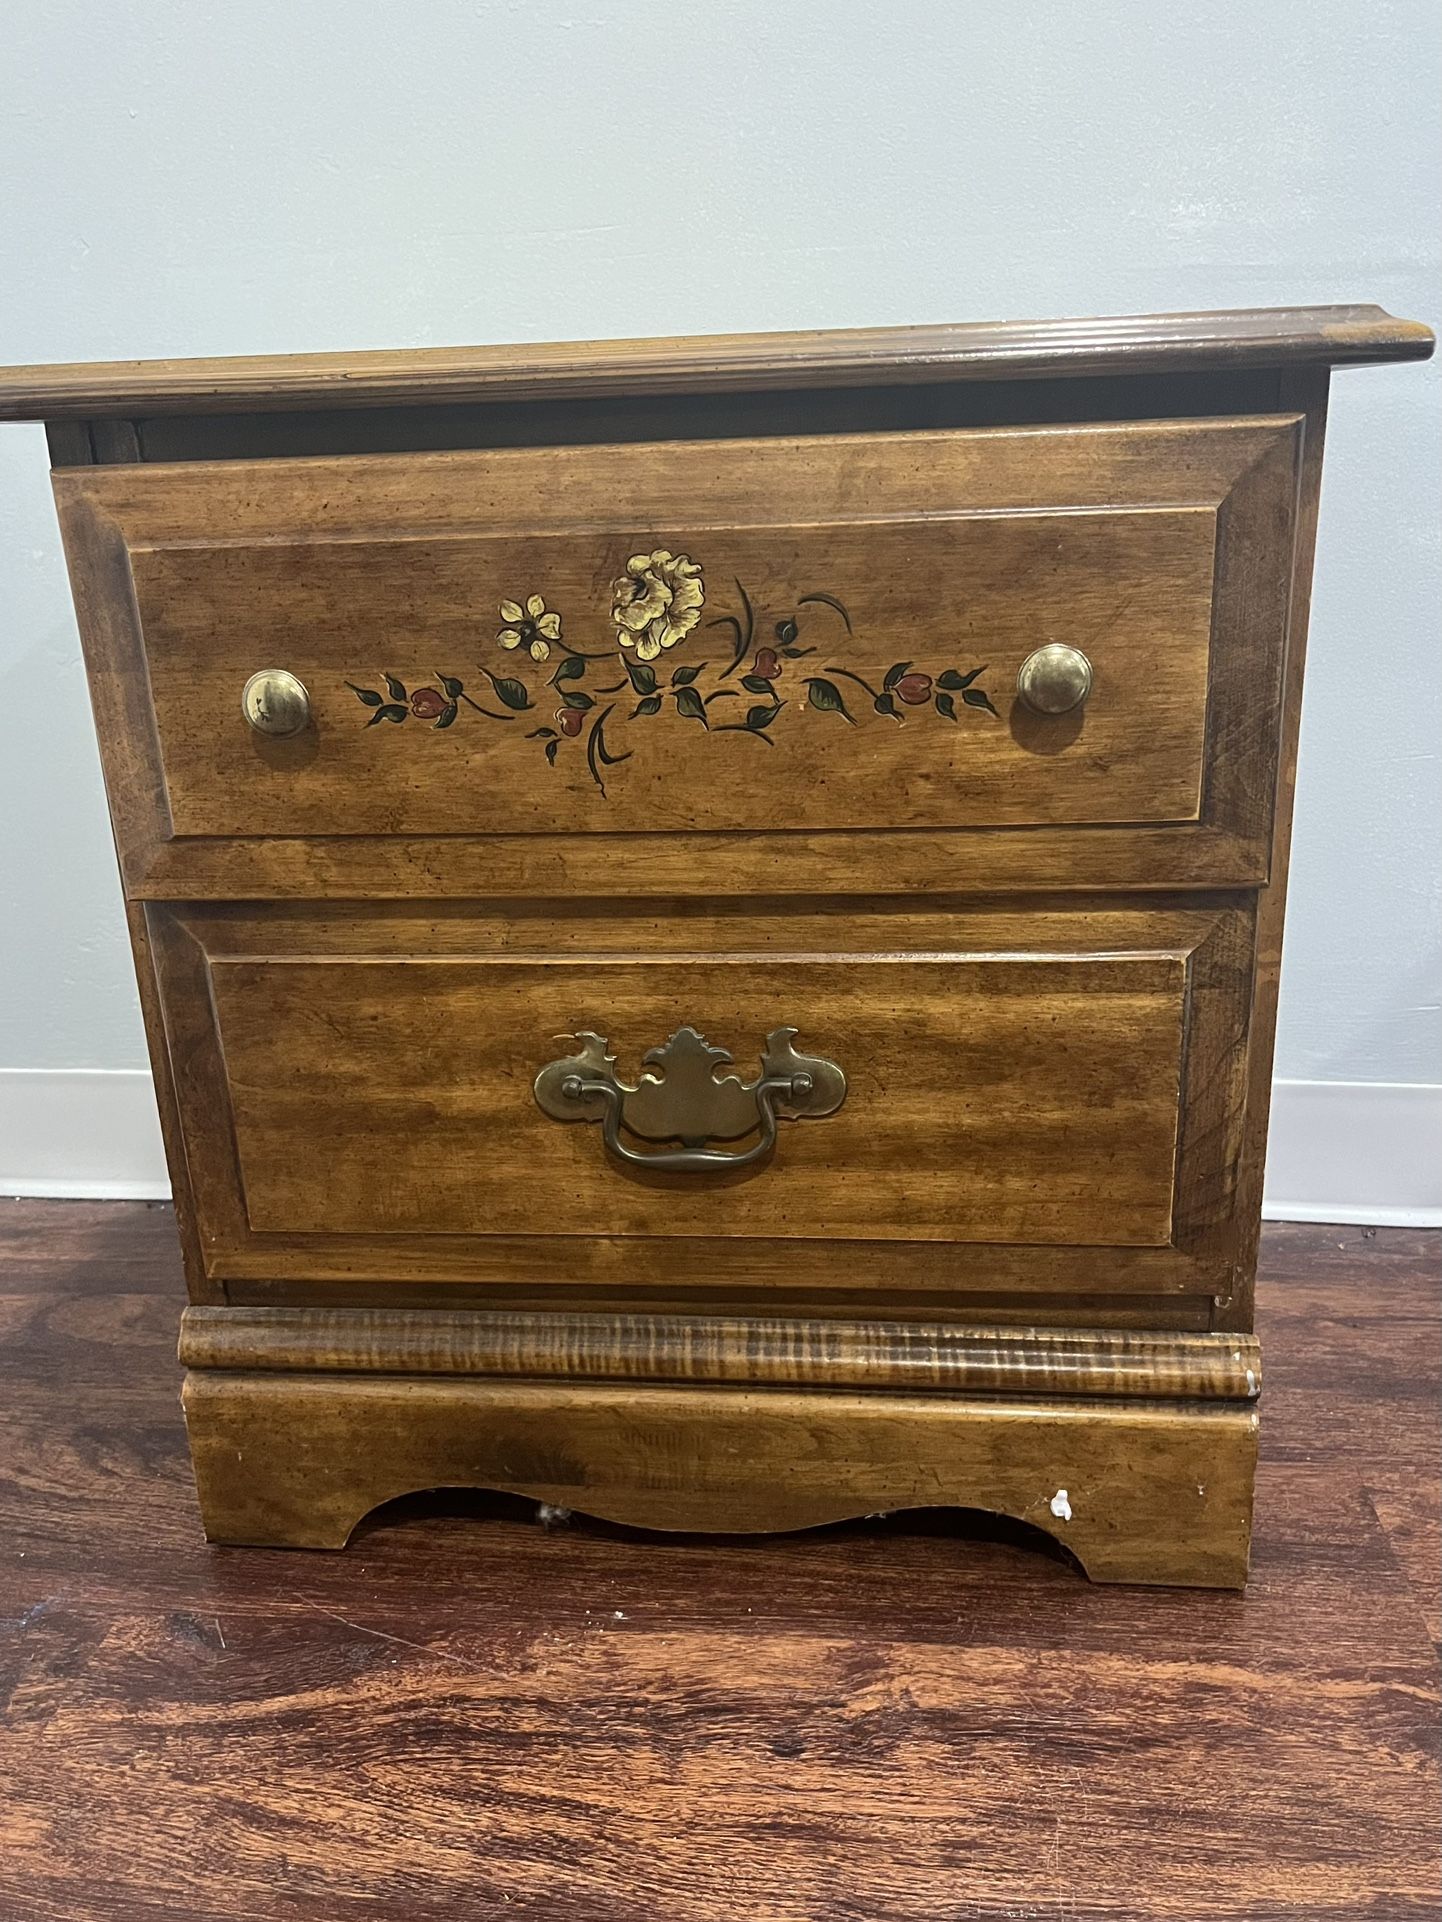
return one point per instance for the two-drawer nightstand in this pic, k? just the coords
(708, 911)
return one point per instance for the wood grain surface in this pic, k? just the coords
(1137, 1491)
(835, 357)
(914, 1357)
(963, 1118)
(891, 1720)
(354, 1089)
(1163, 550)
(1132, 588)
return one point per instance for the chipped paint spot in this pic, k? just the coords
(1251, 1381)
(1201, 1488)
(1061, 1506)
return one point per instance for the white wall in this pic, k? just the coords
(290, 174)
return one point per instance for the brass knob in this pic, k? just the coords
(275, 702)
(1054, 679)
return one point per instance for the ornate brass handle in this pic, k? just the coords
(686, 1102)
(275, 703)
(1054, 679)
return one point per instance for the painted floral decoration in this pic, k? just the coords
(654, 604)
(531, 627)
(439, 704)
(657, 601)
(914, 689)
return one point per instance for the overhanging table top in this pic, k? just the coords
(851, 357)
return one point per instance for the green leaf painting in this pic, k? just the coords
(655, 602)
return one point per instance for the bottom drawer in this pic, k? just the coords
(1038, 1106)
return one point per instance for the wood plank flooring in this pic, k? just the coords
(469, 1716)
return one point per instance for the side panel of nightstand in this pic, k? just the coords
(1305, 389)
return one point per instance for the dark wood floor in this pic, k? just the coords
(467, 1716)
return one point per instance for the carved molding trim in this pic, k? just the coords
(917, 1357)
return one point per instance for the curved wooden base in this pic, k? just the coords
(1139, 1490)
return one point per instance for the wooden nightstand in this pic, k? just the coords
(708, 911)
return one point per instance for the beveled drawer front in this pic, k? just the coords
(979, 1092)
(856, 635)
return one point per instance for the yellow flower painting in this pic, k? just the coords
(657, 601)
(530, 627)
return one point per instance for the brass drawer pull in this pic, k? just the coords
(686, 1102)
(1054, 679)
(275, 703)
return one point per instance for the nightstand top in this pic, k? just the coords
(849, 357)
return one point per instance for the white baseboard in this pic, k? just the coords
(1355, 1151)
(81, 1134)
(1345, 1151)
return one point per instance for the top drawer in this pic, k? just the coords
(545, 655)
